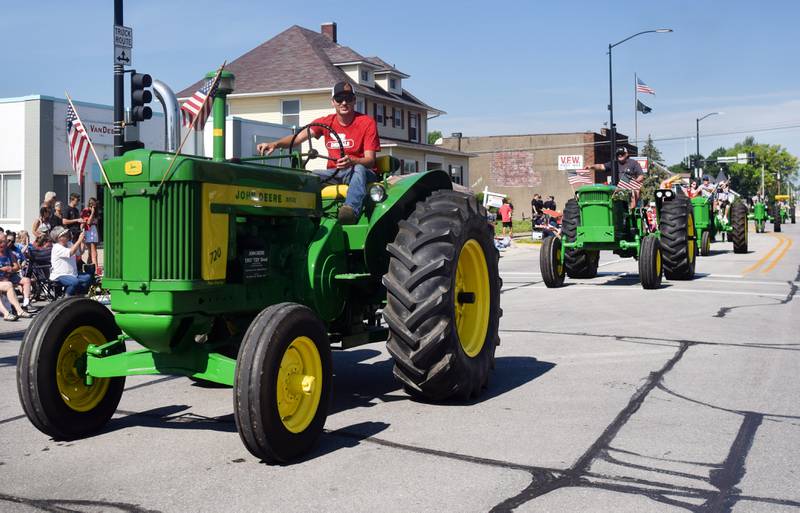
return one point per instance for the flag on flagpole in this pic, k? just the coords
(644, 88)
(628, 184)
(641, 107)
(200, 104)
(78, 143)
(580, 177)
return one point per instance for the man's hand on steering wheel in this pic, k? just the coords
(344, 162)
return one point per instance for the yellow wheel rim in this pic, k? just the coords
(559, 263)
(658, 262)
(70, 370)
(299, 385)
(692, 234)
(472, 298)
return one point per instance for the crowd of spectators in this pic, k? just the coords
(61, 238)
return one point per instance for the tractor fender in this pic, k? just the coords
(402, 198)
(326, 258)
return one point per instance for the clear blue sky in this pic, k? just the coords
(497, 67)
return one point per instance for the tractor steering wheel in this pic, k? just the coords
(313, 153)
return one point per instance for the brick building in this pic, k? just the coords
(521, 165)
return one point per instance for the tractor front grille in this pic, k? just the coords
(174, 232)
(595, 197)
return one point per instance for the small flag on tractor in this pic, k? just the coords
(78, 143)
(628, 184)
(580, 177)
(200, 104)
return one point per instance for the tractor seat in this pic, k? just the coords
(385, 164)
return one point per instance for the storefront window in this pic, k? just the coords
(11, 196)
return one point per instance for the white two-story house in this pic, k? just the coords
(288, 80)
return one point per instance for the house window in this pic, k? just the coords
(360, 106)
(365, 76)
(377, 112)
(392, 83)
(410, 166)
(11, 196)
(413, 132)
(398, 118)
(291, 112)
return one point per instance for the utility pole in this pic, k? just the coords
(119, 91)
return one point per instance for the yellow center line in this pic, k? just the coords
(789, 243)
(766, 257)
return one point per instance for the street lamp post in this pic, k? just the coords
(697, 168)
(614, 168)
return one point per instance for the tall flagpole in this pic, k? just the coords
(91, 146)
(636, 110)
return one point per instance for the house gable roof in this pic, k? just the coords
(299, 59)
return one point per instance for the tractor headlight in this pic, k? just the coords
(377, 193)
(668, 194)
(659, 194)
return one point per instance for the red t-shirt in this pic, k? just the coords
(505, 213)
(359, 136)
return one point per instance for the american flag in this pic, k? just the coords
(644, 88)
(580, 177)
(200, 104)
(629, 184)
(78, 141)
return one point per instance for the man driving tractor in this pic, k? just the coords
(359, 135)
(628, 167)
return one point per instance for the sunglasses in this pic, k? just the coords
(344, 98)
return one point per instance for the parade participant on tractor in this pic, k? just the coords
(359, 135)
(706, 189)
(693, 191)
(628, 167)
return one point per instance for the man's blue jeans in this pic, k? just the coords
(357, 178)
(76, 284)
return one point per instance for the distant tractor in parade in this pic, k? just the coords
(711, 224)
(238, 272)
(599, 218)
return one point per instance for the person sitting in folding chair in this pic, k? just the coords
(63, 263)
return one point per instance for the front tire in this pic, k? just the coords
(443, 298)
(776, 216)
(282, 385)
(738, 233)
(578, 263)
(705, 244)
(650, 266)
(52, 364)
(550, 264)
(678, 239)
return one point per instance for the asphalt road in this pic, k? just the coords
(606, 398)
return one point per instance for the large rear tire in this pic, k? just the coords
(578, 263)
(51, 369)
(282, 385)
(443, 298)
(738, 233)
(650, 263)
(550, 264)
(678, 239)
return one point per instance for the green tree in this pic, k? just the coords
(434, 136)
(650, 151)
(655, 175)
(746, 178)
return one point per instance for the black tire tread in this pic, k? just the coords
(578, 263)
(673, 223)
(648, 274)
(548, 264)
(738, 233)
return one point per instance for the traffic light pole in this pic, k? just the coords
(119, 92)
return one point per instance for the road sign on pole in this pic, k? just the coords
(123, 45)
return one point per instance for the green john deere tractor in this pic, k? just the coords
(785, 207)
(599, 219)
(239, 273)
(763, 214)
(709, 225)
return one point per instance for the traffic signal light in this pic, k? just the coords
(140, 97)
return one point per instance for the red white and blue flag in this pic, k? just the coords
(628, 184)
(580, 177)
(644, 88)
(78, 143)
(199, 105)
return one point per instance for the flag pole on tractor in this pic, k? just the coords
(636, 110)
(196, 108)
(79, 144)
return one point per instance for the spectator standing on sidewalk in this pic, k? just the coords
(550, 203)
(89, 216)
(505, 211)
(41, 225)
(72, 218)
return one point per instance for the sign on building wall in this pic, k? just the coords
(567, 162)
(514, 169)
(101, 133)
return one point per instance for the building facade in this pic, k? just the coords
(34, 158)
(288, 81)
(521, 165)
